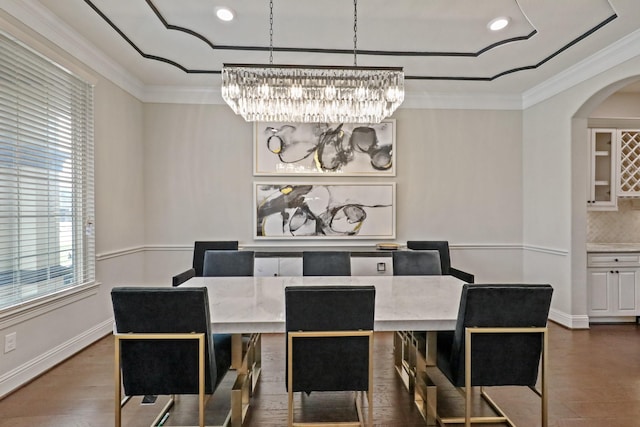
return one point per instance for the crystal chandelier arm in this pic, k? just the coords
(312, 94)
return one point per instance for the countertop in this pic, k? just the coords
(613, 247)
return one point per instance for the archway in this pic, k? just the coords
(579, 156)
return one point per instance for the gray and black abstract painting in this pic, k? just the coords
(322, 149)
(325, 211)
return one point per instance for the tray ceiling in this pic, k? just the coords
(443, 45)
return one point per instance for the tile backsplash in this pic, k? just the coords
(621, 226)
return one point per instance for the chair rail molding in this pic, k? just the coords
(120, 252)
(545, 250)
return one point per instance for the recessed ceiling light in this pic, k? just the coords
(225, 14)
(498, 23)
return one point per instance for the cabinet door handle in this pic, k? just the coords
(616, 260)
(617, 272)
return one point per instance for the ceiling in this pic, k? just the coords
(443, 45)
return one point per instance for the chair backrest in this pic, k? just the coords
(179, 279)
(163, 366)
(228, 263)
(441, 246)
(200, 247)
(500, 359)
(336, 363)
(418, 263)
(326, 263)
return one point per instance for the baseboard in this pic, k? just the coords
(613, 319)
(568, 320)
(10, 381)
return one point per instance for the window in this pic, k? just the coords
(46, 177)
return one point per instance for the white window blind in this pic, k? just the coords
(46, 177)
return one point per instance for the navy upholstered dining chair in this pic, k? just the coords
(180, 278)
(326, 263)
(222, 263)
(416, 263)
(330, 343)
(500, 340)
(230, 263)
(442, 246)
(201, 247)
(164, 345)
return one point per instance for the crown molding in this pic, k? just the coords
(41, 20)
(461, 101)
(618, 52)
(182, 95)
(37, 17)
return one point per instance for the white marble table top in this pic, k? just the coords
(256, 304)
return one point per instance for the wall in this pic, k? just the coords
(458, 178)
(624, 105)
(51, 332)
(554, 164)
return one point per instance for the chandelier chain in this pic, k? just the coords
(355, 32)
(270, 31)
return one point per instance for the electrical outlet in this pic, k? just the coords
(9, 342)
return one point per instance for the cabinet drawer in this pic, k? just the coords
(614, 260)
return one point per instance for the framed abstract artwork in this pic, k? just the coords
(324, 211)
(344, 149)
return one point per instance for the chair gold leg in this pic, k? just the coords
(120, 402)
(118, 384)
(201, 380)
(359, 395)
(467, 380)
(164, 413)
(543, 378)
(290, 381)
(501, 417)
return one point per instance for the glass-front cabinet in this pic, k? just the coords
(602, 170)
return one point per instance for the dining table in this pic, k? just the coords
(247, 307)
(256, 304)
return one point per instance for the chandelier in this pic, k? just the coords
(311, 94)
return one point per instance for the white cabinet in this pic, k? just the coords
(371, 266)
(628, 163)
(292, 266)
(278, 266)
(612, 292)
(613, 283)
(602, 170)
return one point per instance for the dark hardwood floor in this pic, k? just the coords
(594, 380)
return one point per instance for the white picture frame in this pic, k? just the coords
(323, 210)
(324, 149)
